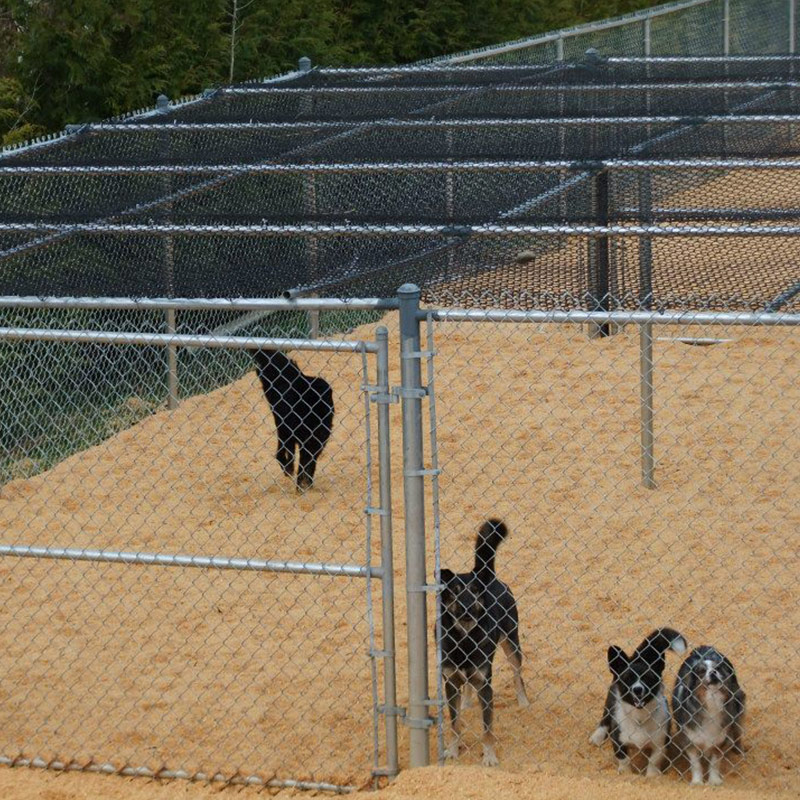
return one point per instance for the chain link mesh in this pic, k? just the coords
(644, 164)
(539, 425)
(189, 671)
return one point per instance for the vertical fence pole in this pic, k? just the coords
(411, 391)
(387, 554)
(310, 206)
(162, 105)
(646, 392)
(172, 362)
(726, 27)
(646, 334)
(599, 249)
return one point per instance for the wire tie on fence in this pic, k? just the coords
(420, 473)
(379, 654)
(419, 354)
(426, 587)
(432, 701)
(376, 511)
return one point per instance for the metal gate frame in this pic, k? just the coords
(378, 392)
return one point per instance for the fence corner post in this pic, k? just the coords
(417, 718)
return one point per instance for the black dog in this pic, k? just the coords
(708, 707)
(303, 410)
(636, 714)
(478, 613)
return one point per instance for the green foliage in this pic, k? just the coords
(66, 61)
(14, 110)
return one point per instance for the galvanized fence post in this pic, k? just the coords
(646, 333)
(599, 255)
(162, 105)
(172, 357)
(387, 553)
(411, 391)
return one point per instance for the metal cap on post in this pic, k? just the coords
(162, 104)
(411, 392)
(304, 64)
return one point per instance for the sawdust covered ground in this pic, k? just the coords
(267, 674)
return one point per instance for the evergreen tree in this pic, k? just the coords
(81, 60)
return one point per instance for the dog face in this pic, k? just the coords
(638, 679)
(461, 600)
(710, 671)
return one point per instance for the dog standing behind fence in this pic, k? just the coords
(478, 613)
(636, 714)
(708, 708)
(302, 407)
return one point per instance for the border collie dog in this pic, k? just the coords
(302, 407)
(478, 613)
(636, 714)
(708, 708)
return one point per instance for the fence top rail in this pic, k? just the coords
(185, 340)
(437, 67)
(185, 560)
(568, 33)
(745, 318)
(202, 304)
(536, 88)
(489, 229)
(721, 59)
(405, 166)
(456, 122)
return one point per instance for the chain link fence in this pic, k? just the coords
(647, 479)
(159, 567)
(704, 28)
(603, 225)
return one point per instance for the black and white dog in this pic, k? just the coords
(478, 612)
(636, 714)
(708, 707)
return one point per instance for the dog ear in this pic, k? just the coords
(617, 660)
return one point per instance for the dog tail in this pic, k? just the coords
(490, 535)
(654, 647)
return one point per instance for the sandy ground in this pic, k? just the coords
(267, 674)
(436, 783)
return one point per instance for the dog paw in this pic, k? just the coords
(489, 758)
(599, 736)
(652, 772)
(624, 766)
(714, 780)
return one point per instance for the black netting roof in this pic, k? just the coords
(671, 182)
